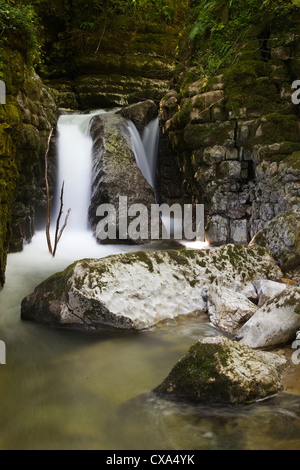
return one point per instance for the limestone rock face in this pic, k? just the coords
(138, 290)
(140, 113)
(108, 91)
(115, 171)
(222, 371)
(237, 141)
(282, 237)
(275, 323)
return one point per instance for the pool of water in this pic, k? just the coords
(63, 389)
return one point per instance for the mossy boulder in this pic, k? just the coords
(210, 134)
(138, 290)
(281, 236)
(115, 171)
(219, 370)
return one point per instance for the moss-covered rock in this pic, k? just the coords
(281, 236)
(202, 135)
(219, 370)
(115, 170)
(138, 290)
(25, 122)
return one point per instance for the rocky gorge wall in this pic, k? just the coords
(230, 141)
(25, 123)
(235, 137)
(80, 70)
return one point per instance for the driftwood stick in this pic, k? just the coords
(63, 228)
(57, 233)
(48, 194)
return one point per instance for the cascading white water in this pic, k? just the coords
(150, 143)
(145, 149)
(74, 169)
(75, 163)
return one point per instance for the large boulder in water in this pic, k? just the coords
(281, 236)
(115, 171)
(137, 290)
(222, 371)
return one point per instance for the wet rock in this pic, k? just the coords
(275, 323)
(282, 237)
(140, 113)
(222, 371)
(115, 172)
(114, 90)
(217, 230)
(137, 290)
(266, 290)
(229, 310)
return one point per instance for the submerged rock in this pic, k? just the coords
(275, 323)
(222, 371)
(282, 237)
(137, 290)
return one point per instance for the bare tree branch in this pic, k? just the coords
(48, 194)
(58, 233)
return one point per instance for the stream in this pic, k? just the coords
(68, 390)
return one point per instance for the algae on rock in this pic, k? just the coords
(218, 370)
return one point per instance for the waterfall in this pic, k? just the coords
(145, 149)
(150, 143)
(74, 168)
(75, 163)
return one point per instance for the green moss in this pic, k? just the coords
(293, 161)
(243, 71)
(196, 377)
(202, 264)
(178, 257)
(277, 127)
(144, 258)
(202, 135)
(182, 117)
(261, 251)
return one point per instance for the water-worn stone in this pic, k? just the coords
(222, 371)
(137, 290)
(217, 230)
(266, 290)
(229, 310)
(140, 113)
(275, 323)
(115, 171)
(282, 237)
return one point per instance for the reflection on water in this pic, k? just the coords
(68, 390)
